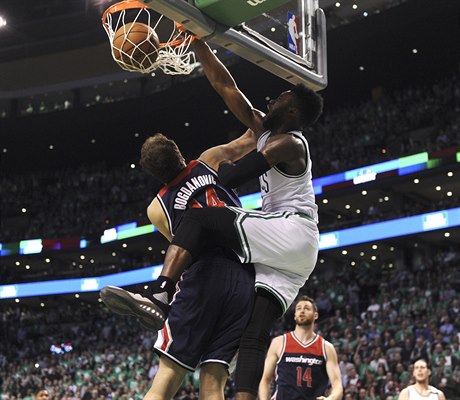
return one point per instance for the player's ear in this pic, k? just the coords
(315, 315)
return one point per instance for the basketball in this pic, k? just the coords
(136, 44)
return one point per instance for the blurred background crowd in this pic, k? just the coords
(379, 322)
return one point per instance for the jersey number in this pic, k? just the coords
(212, 200)
(264, 185)
(304, 376)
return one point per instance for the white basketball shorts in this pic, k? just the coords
(283, 247)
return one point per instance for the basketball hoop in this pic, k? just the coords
(173, 55)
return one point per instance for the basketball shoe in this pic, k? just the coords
(151, 312)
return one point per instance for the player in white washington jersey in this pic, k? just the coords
(281, 240)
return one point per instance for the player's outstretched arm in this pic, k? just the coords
(232, 151)
(273, 354)
(224, 84)
(333, 373)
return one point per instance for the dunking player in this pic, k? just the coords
(421, 390)
(304, 361)
(201, 329)
(281, 240)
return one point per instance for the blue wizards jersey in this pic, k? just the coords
(301, 370)
(196, 186)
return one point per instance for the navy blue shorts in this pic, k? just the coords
(209, 313)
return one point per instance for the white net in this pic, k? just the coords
(165, 46)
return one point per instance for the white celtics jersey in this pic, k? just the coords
(415, 395)
(283, 192)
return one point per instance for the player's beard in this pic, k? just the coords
(304, 321)
(272, 120)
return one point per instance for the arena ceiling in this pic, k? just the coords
(50, 45)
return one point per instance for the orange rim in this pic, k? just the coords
(122, 5)
(179, 41)
(130, 4)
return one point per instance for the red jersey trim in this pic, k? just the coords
(179, 177)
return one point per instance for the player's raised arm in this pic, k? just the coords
(231, 151)
(224, 84)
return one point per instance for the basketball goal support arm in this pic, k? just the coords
(272, 58)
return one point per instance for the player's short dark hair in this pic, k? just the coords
(428, 365)
(309, 103)
(306, 298)
(161, 158)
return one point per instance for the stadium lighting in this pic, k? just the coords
(373, 258)
(23, 209)
(449, 194)
(347, 206)
(18, 263)
(344, 252)
(325, 201)
(414, 51)
(337, 4)
(47, 260)
(354, 6)
(353, 263)
(364, 192)
(150, 248)
(438, 188)
(2, 22)
(416, 180)
(365, 14)
(133, 166)
(446, 234)
(374, 247)
(27, 266)
(450, 173)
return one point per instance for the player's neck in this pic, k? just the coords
(284, 127)
(304, 333)
(421, 386)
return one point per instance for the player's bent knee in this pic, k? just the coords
(166, 381)
(213, 377)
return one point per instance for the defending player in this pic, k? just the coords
(304, 361)
(281, 240)
(201, 329)
(421, 390)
